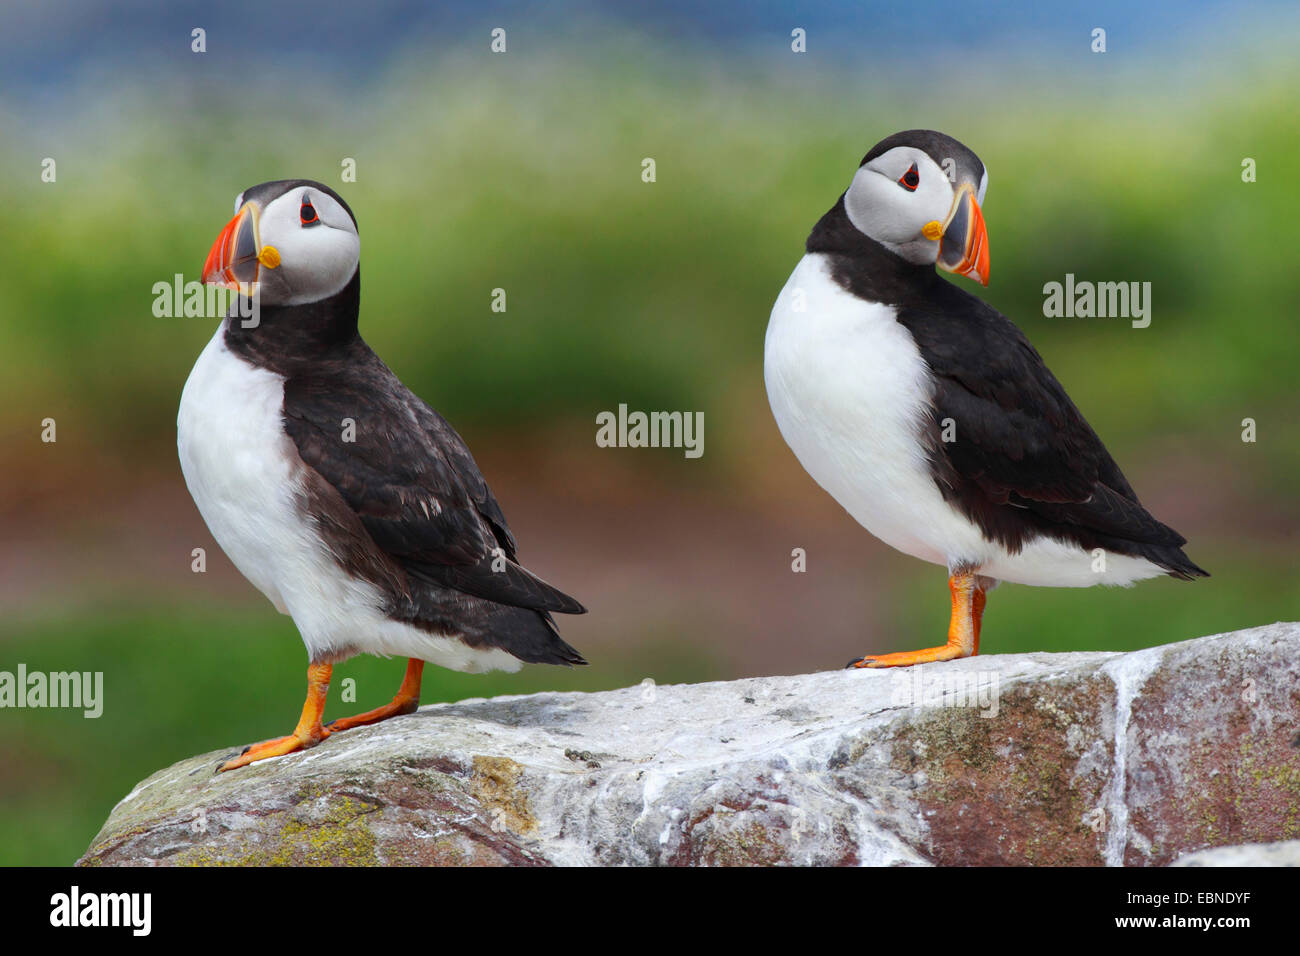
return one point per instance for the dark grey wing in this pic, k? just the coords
(1020, 442)
(411, 480)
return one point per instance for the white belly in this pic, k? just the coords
(849, 390)
(240, 467)
(238, 464)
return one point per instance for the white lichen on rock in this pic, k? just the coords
(1084, 759)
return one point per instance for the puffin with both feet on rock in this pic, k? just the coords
(928, 415)
(345, 499)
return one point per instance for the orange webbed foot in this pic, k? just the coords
(929, 655)
(308, 733)
(276, 747)
(968, 596)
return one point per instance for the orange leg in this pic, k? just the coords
(977, 615)
(407, 701)
(308, 733)
(963, 629)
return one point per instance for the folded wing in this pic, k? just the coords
(412, 482)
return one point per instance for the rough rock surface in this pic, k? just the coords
(1081, 759)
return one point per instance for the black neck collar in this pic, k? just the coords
(289, 336)
(866, 268)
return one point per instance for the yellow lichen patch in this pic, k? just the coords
(335, 835)
(751, 844)
(341, 839)
(494, 783)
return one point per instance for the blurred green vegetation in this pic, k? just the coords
(528, 179)
(526, 175)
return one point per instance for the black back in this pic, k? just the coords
(1025, 461)
(404, 504)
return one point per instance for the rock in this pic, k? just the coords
(1078, 759)
(1286, 853)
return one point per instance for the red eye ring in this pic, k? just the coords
(910, 179)
(308, 212)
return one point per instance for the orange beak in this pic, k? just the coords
(234, 260)
(964, 248)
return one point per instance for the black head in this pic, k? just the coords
(918, 194)
(292, 241)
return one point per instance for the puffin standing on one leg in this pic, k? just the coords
(345, 499)
(928, 415)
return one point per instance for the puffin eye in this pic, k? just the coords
(308, 213)
(910, 179)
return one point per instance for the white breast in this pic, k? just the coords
(238, 464)
(849, 390)
(241, 469)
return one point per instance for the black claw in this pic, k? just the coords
(858, 661)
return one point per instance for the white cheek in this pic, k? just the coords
(317, 263)
(888, 213)
(881, 209)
